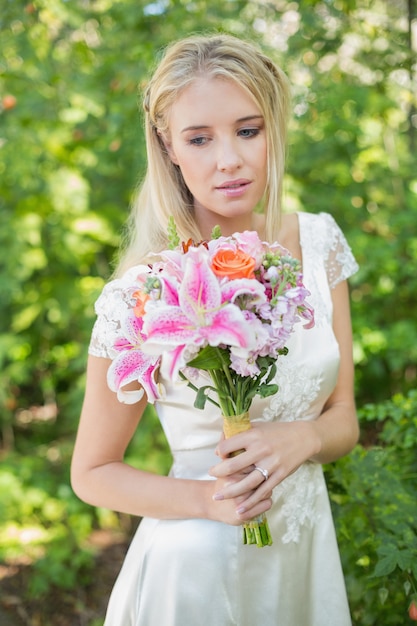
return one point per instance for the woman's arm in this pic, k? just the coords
(281, 447)
(337, 427)
(100, 477)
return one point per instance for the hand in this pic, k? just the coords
(228, 509)
(278, 447)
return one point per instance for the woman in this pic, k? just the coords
(215, 115)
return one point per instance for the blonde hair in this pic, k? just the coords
(163, 191)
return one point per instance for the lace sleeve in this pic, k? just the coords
(340, 262)
(113, 301)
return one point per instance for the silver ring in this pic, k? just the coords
(264, 472)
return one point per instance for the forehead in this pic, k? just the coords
(211, 101)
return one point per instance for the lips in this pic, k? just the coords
(233, 184)
(234, 188)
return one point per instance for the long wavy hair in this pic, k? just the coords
(163, 192)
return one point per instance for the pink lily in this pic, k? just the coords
(131, 364)
(232, 289)
(201, 317)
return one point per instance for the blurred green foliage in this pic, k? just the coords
(373, 492)
(71, 154)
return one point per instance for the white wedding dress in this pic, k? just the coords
(196, 572)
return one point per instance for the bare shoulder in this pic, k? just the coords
(289, 236)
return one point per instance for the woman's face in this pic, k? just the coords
(217, 138)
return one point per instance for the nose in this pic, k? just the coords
(228, 156)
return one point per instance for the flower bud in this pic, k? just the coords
(412, 611)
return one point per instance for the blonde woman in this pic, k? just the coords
(216, 114)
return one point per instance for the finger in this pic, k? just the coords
(261, 494)
(233, 444)
(233, 465)
(246, 514)
(248, 483)
(247, 440)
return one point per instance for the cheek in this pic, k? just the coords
(191, 165)
(186, 168)
(258, 155)
(192, 173)
(263, 154)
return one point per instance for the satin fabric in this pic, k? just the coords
(189, 572)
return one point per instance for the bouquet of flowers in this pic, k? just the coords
(226, 306)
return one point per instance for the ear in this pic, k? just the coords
(168, 146)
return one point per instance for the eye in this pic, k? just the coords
(198, 141)
(247, 133)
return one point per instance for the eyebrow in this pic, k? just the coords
(248, 118)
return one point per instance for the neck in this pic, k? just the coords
(228, 226)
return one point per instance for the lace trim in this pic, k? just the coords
(328, 260)
(322, 241)
(339, 260)
(298, 493)
(297, 392)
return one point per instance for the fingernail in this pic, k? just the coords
(240, 510)
(218, 496)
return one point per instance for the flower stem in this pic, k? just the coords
(226, 401)
(194, 388)
(256, 531)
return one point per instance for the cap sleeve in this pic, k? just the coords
(339, 260)
(110, 308)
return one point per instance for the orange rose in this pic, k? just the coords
(233, 264)
(141, 300)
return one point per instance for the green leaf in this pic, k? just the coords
(389, 561)
(201, 398)
(272, 373)
(385, 566)
(267, 390)
(209, 358)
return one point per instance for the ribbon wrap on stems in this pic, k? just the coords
(256, 531)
